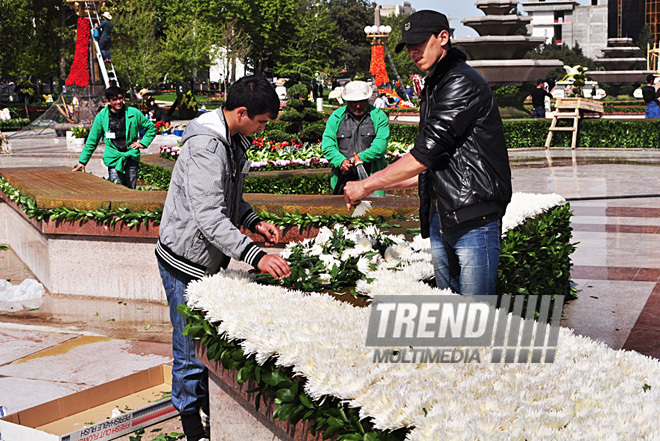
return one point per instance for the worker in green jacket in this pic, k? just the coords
(119, 125)
(357, 127)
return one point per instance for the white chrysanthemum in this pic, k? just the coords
(324, 236)
(350, 252)
(315, 250)
(286, 253)
(363, 244)
(363, 266)
(329, 261)
(325, 278)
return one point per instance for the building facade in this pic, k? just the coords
(568, 22)
(403, 8)
(627, 18)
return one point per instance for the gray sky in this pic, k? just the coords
(456, 10)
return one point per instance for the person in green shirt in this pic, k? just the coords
(119, 125)
(357, 127)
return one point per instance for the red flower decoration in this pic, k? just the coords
(377, 68)
(79, 74)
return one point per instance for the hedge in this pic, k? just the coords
(594, 133)
(304, 183)
(14, 123)
(535, 256)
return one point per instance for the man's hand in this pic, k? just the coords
(275, 265)
(137, 145)
(345, 166)
(353, 193)
(80, 167)
(269, 231)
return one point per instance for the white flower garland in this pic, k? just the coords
(590, 392)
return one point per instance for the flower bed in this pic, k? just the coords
(308, 350)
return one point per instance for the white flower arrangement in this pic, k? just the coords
(590, 392)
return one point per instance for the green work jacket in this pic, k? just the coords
(374, 155)
(135, 121)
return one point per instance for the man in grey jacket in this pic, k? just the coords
(199, 231)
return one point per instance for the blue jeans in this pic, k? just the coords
(538, 112)
(465, 257)
(129, 177)
(189, 375)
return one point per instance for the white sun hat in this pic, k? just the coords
(107, 15)
(356, 91)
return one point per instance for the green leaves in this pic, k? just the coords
(535, 256)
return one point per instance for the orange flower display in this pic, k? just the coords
(377, 67)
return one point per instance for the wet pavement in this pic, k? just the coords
(71, 343)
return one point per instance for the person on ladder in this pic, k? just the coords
(106, 35)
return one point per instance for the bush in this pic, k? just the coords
(312, 133)
(294, 104)
(277, 135)
(596, 133)
(536, 256)
(304, 183)
(298, 91)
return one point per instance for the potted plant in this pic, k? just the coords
(79, 135)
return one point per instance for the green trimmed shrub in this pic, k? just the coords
(277, 135)
(312, 133)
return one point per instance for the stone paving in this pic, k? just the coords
(615, 195)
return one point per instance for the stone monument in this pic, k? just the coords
(497, 53)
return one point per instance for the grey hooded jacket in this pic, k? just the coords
(199, 230)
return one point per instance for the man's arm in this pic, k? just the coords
(456, 107)
(92, 142)
(402, 174)
(149, 128)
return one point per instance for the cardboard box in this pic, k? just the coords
(144, 399)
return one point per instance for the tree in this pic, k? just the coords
(189, 33)
(351, 17)
(235, 46)
(568, 56)
(270, 26)
(136, 52)
(314, 47)
(35, 37)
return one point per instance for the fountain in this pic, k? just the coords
(498, 50)
(620, 64)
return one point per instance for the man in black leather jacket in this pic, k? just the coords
(459, 161)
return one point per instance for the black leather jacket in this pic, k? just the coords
(461, 142)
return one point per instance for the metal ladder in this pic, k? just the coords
(109, 74)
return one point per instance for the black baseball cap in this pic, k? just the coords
(420, 26)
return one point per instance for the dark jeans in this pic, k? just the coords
(129, 177)
(538, 112)
(465, 257)
(104, 45)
